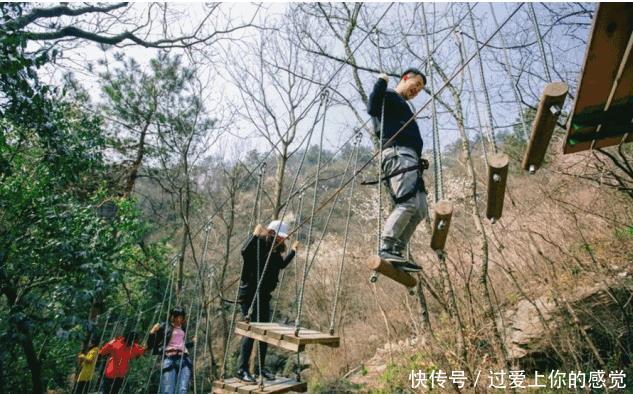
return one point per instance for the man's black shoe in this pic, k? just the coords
(392, 256)
(267, 374)
(244, 376)
(407, 266)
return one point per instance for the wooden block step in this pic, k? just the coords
(443, 212)
(547, 114)
(384, 267)
(280, 385)
(497, 178)
(283, 336)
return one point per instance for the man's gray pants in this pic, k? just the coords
(410, 198)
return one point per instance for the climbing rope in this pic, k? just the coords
(162, 359)
(206, 348)
(170, 283)
(198, 317)
(258, 299)
(93, 382)
(379, 184)
(482, 77)
(437, 157)
(382, 133)
(462, 50)
(508, 67)
(344, 251)
(540, 41)
(234, 313)
(329, 216)
(138, 319)
(283, 272)
(310, 227)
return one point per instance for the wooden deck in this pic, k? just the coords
(283, 336)
(281, 385)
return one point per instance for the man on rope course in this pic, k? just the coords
(254, 253)
(402, 165)
(176, 366)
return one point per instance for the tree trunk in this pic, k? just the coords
(34, 364)
(282, 160)
(140, 153)
(26, 341)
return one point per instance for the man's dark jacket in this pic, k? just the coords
(249, 279)
(397, 113)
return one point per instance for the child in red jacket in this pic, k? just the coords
(121, 350)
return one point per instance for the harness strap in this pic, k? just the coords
(422, 165)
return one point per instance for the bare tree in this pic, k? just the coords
(277, 103)
(121, 24)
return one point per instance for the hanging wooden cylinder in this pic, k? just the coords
(384, 267)
(497, 177)
(546, 116)
(443, 212)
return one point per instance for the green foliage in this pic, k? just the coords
(54, 247)
(623, 233)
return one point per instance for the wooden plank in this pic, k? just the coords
(228, 385)
(312, 339)
(443, 211)
(497, 177)
(248, 389)
(247, 326)
(280, 385)
(280, 333)
(283, 386)
(544, 123)
(279, 330)
(610, 35)
(283, 336)
(622, 95)
(293, 347)
(381, 266)
(276, 327)
(263, 329)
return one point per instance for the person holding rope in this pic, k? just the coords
(255, 253)
(170, 339)
(121, 350)
(87, 361)
(402, 165)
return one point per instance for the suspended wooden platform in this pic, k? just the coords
(283, 336)
(497, 177)
(443, 212)
(281, 385)
(603, 110)
(547, 114)
(384, 267)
